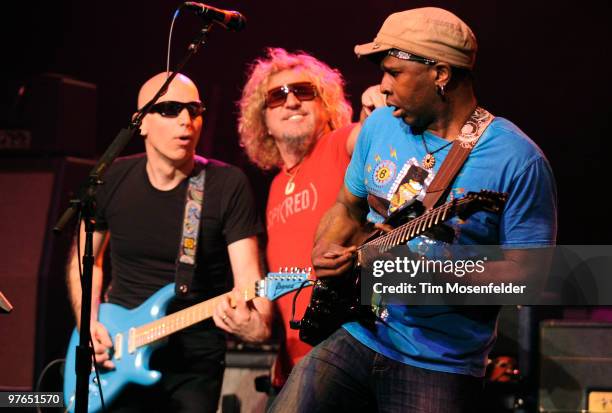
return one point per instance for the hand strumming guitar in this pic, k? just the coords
(331, 259)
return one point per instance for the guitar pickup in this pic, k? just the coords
(118, 346)
(132, 340)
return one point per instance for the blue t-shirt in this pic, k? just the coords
(386, 163)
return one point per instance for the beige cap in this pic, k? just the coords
(428, 32)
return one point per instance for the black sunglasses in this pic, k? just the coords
(302, 91)
(171, 109)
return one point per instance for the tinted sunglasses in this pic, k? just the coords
(171, 109)
(302, 91)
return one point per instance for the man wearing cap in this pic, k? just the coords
(424, 358)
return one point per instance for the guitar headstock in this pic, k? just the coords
(485, 200)
(280, 283)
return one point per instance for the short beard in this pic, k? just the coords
(298, 145)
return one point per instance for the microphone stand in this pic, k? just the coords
(84, 204)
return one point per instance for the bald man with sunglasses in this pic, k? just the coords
(140, 211)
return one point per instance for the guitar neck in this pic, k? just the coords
(415, 227)
(158, 329)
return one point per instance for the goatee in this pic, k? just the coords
(298, 145)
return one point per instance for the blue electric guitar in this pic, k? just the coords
(137, 333)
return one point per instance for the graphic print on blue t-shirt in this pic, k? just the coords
(410, 183)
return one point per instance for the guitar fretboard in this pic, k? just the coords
(158, 329)
(415, 227)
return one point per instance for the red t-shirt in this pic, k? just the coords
(292, 221)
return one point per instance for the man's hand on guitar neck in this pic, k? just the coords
(383, 227)
(241, 318)
(331, 259)
(102, 345)
(342, 224)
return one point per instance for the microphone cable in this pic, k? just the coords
(176, 13)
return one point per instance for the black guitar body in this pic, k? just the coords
(334, 301)
(337, 300)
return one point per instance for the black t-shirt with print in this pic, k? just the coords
(146, 227)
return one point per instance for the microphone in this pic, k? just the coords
(231, 20)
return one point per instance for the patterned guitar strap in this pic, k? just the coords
(471, 132)
(186, 260)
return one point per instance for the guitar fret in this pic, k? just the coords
(381, 243)
(418, 230)
(393, 239)
(412, 233)
(386, 238)
(414, 228)
(417, 224)
(400, 236)
(404, 232)
(422, 224)
(429, 221)
(388, 241)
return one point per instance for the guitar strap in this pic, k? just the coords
(186, 260)
(473, 129)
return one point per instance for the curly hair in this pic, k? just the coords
(259, 145)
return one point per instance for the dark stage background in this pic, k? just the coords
(541, 64)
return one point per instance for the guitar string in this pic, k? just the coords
(411, 225)
(387, 239)
(148, 333)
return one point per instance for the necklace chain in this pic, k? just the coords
(429, 160)
(290, 186)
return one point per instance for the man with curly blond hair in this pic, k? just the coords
(294, 117)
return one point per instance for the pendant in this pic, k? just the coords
(289, 187)
(428, 161)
